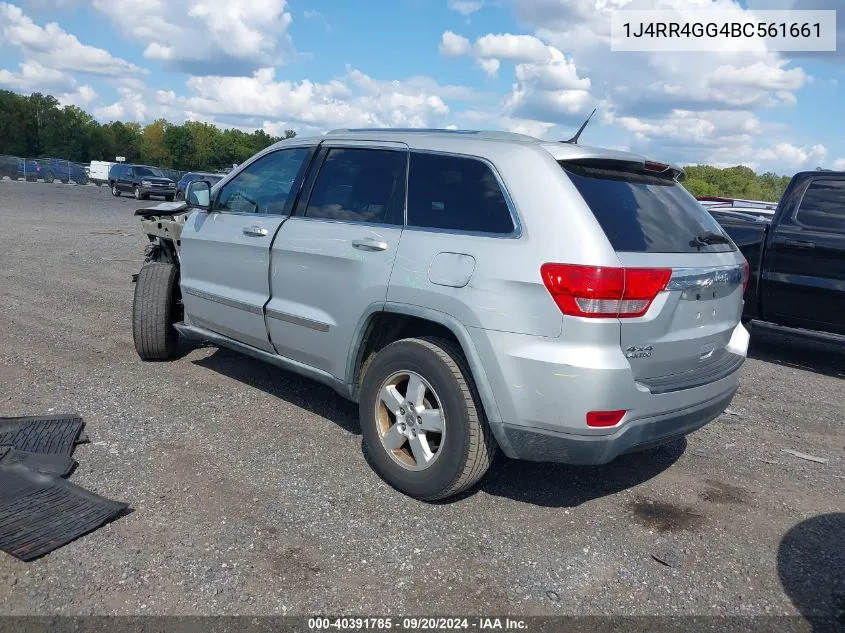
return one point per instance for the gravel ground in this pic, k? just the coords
(251, 496)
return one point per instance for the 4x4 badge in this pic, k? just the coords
(639, 352)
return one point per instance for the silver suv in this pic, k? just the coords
(469, 290)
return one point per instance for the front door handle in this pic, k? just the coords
(799, 244)
(255, 231)
(369, 244)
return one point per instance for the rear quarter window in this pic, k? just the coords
(456, 193)
(823, 206)
(643, 212)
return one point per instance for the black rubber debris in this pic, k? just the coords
(49, 464)
(40, 513)
(41, 434)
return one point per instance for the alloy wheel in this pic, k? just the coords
(410, 420)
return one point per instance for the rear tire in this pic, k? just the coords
(154, 311)
(460, 454)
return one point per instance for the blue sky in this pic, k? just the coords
(533, 66)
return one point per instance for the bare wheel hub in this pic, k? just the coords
(410, 420)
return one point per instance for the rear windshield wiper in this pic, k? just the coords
(708, 239)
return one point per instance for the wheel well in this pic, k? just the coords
(161, 249)
(385, 328)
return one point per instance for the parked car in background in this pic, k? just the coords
(9, 167)
(142, 181)
(718, 203)
(52, 169)
(467, 289)
(29, 169)
(797, 257)
(99, 171)
(174, 174)
(190, 177)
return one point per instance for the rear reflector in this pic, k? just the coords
(602, 292)
(604, 418)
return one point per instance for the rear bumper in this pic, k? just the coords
(544, 388)
(546, 446)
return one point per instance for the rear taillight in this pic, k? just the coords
(746, 275)
(602, 292)
(604, 418)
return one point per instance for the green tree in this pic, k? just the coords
(734, 182)
(180, 145)
(153, 149)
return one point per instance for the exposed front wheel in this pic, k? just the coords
(154, 310)
(137, 192)
(115, 191)
(422, 430)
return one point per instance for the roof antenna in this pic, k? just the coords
(574, 139)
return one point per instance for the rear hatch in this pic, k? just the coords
(683, 308)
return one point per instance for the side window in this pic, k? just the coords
(823, 206)
(360, 185)
(265, 186)
(454, 193)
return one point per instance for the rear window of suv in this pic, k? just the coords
(642, 211)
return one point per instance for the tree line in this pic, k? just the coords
(734, 182)
(37, 126)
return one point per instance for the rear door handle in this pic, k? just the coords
(369, 244)
(799, 244)
(255, 231)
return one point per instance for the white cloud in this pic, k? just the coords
(355, 100)
(489, 66)
(33, 77)
(792, 155)
(52, 47)
(648, 83)
(206, 36)
(453, 45)
(839, 164)
(759, 75)
(80, 97)
(518, 48)
(465, 7)
(548, 85)
(132, 106)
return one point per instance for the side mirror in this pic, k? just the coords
(198, 194)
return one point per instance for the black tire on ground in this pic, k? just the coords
(468, 445)
(170, 198)
(137, 193)
(49, 177)
(154, 311)
(115, 191)
(179, 196)
(65, 181)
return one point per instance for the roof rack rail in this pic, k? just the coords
(402, 130)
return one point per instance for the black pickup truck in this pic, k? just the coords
(796, 257)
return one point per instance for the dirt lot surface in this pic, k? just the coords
(251, 495)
